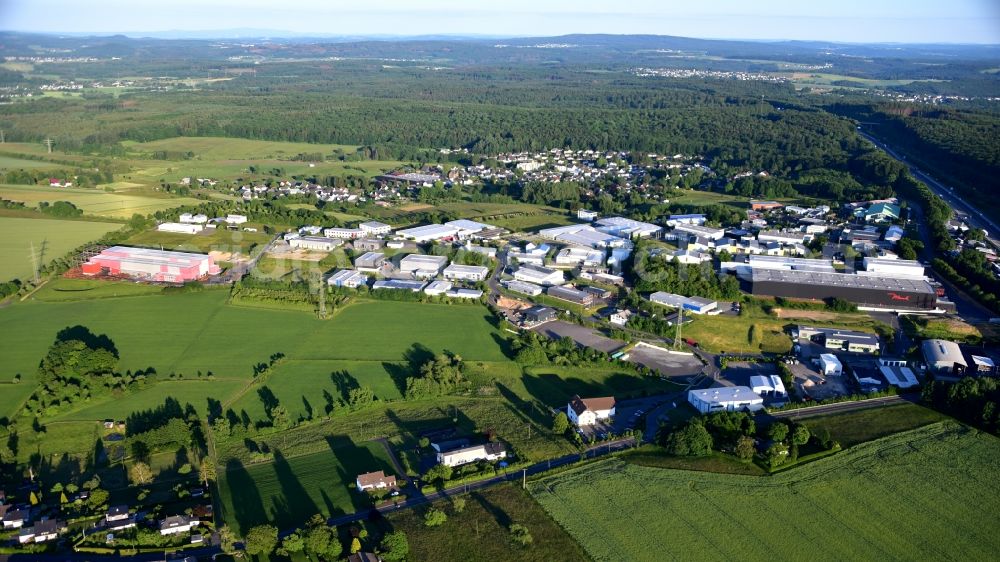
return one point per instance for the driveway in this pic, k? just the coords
(665, 362)
(585, 337)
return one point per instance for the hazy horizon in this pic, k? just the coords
(846, 21)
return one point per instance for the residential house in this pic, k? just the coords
(176, 524)
(375, 481)
(588, 411)
(456, 457)
(41, 531)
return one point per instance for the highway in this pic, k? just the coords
(976, 217)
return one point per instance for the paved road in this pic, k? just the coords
(976, 217)
(966, 306)
(841, 407)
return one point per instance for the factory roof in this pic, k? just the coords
(884, 283)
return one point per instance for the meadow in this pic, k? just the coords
(922, 494)
(190, 333)
(51, 238)
(482, 531)
(95, 202)
(288, 491)
(15, 163)
(223, 148)
(219, 239)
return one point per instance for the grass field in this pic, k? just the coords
(199, 332)
(919, 495)
(533, 222)
(481, 532)
(717, 462)
(730, 333)
(207, 240)
(51, 238)
(288, 491)
(866, 425)
(222, 148)
(15, 163)
(94, 201)
(62, 289)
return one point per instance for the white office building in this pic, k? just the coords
(728, 398)
(458, 272)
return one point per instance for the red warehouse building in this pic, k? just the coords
(151, 265)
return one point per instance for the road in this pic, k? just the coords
(841, 407)
(966, 306)
(976, 217)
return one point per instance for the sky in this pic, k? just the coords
(860, 21)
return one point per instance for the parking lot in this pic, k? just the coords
(585, 337)
(669, 364)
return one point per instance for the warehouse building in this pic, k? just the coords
(570, 294)
(523, 288)
(435, 288)
(865, 290)
(697, 305)
(458, 272)
(539, 275)
(488, 452)
(461, 293)
(350, 278)
(727, 398)
(429, 232)
(539, 314)
(943, 357)
(893, 267)
(628, 228)
(580, 256)
(180, 227)
(841, 340)
(196, 219)
(696, 230)
(399, 284)
(318, 243)
(151, 265)
(423, 266)
(370, 261)
(829, 365)
(467, 228)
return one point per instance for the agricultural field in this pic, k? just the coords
(188, 333)
(62, 289)
(288, 491)
(15, 163)
(52, 239)
(97, 202)
(532, 222)
(921, 494)
(481, 532)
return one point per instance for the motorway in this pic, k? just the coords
(976, 217)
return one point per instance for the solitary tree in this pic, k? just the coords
(261, 540)
(560, 424)
(355, 545)
(206, 470)
(519, 534)
(395, 547)
(458, 505)
(745, 448)
(140, 473)
(435, 517)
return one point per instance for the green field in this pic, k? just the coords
(51, 238)
(919, 495)
(15, 163)
(866, 425)
(61, 289)
(188, 333)
(288, 491)
(299, 385)
(219, 239)
(222, 148)
(95, 201)
(481, 532)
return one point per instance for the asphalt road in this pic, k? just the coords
(841, 407)
(976, 217)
